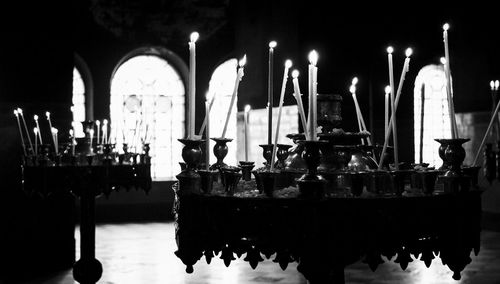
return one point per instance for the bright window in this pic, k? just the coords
(430, 94)
(147, 105)
(78, 102)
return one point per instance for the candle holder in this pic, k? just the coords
(428, 179)
(268, 179)
(43, 157)
(452, 153)
(281, 154)
(246, 169)
(230, 176)
(329, 111)
(311, 184)
(107, 151)
(145, 157)
(267, 153)
(220, 152)
(207, 180)
(398, 179)
(189, 179)
(357, 181)
(295, 166)
(379, 182)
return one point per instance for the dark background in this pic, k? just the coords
(39, 40)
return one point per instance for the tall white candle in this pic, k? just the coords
(35, 117)
(352, 90)
(54, 136)
(35, 130)
(312, 116)
(104, 131)
(98, 127)
(207, 142)
(16, 113)
(386, 109)
(25, 127)
(288, 64)
(300, 106)
(449, 87)
(192, 84)
(72, 135)
(393, 108)
(91, 132)
(270, 103)
(235, 91)
(247, 113)
(393, 111)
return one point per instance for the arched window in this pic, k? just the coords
(147, 106)
(431, 114)
(221, 88)
(82, 95)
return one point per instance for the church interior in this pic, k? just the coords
(128, 63)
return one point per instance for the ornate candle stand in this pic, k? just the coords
(86, 179)
(267, 153)
(189, 179)
(246, 169)
(311, 184)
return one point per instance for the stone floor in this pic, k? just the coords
(136, 253)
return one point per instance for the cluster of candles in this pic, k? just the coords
(24, 132)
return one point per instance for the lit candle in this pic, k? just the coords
(204, 124)
(312, 116)
(16, 113)
(247, 113)
(298, 97)
(235, 91)
(91, 132)
(35, 130)
(73, 143)
(361, 121)
(35, 117)
(192, 83)
(394, 107)
(449, 87)
(98, 127)
(104, 131)
(20, 111)
(352, 90)
(54, 136)
(272, 45)
(207, 142)
(386, 107)
(288, 64)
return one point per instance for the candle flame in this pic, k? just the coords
(408, 52)
(354, 81)
(35, 117)
(272, 44)
(313, 57)
(247, 108)
(492, 84)
(295, 73)
(16, 112)
(20, 110)
(390, 50)
(352, 89)
(443, 60)
(54, 130)
(91, 131)
(35, 130)
(194, 37)
(72, 108)
(105, 121)
(243, 61)
(497, 83)
(47, 114)
(71, 132)
(387, 89)
(288, 63)
(446, 26)
(97, 122)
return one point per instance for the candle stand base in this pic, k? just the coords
(311, 187)
(207, 179)
(230, 176)
(268, 179)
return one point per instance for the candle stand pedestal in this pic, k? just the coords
(453, 155)
(189, 179)
(220, 152)
(86, 180)
(267, 153)
(311, 184)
